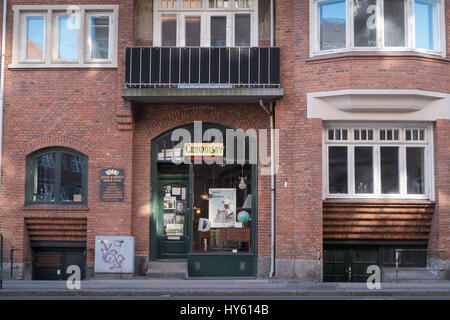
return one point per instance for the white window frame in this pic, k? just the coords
(88, 38)
(205, 14)
(55, 50)
(376, 143)
(181, 39)
(50, 13)
(409, 30)
(23, 37)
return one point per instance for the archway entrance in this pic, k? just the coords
(203, 200)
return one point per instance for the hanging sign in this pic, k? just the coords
(112, 185)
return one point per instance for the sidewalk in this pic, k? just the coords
(212, 287)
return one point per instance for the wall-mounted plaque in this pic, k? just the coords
(112, 185)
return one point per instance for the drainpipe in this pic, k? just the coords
(272, 24)
(2, 81)
(272, 185)
(272, 156)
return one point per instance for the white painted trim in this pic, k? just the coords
(378, 105)
(376, 144)
(314, 49)
(205, 14)
(50, 12)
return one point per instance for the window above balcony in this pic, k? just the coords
(377, 25)
(205, 23)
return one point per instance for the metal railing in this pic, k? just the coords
(190, 67)
(397, 259)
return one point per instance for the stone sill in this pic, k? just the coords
(47, 208)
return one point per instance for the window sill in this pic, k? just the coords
(62, 66)
(375, 54)
(378, 201)
(58, 207)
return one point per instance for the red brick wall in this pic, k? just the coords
(299, 206)
(439, 244)
(74, 108)
(152, 120)
(83, 109)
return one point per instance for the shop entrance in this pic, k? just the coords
(204, 201)
(174, 214)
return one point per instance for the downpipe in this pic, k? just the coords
(2, 81)
(272, 185)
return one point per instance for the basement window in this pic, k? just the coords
(56, 176)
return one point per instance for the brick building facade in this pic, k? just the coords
(111, 102)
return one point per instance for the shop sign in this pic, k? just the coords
(112, 185)
(203, 149)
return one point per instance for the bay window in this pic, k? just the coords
(205, 23)
(343, 25)
(387, 163)
(64, 36)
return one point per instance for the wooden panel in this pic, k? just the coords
(62, 228)
(377, 220)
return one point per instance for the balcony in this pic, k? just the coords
(202, 75)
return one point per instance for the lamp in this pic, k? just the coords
(242, 185)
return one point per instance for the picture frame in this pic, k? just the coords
(169, 203)
(215, 242)
(222, 207)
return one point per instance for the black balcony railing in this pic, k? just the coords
(155, 67)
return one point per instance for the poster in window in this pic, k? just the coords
(222, 207)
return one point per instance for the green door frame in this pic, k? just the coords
(181, 180)
(154, 194)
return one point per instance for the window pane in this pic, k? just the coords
(67, 40)
(192, 4)
(364, 22)
(100, 37)
(332, 24)
(243, 3)
(219, 3)
(363, 170)
(426, 24)
(415, 170)
(389, 170)
(71, 178)
(169, 30)
(242, 30)
(394, 23)
(218, 31)
(44, 175)
(193, 31)
(35, 38)
(337, 163)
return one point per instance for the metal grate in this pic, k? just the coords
(48, 260)
(196, 67)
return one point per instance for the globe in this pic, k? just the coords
(243, 216)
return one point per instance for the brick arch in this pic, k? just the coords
(59, 141)
(232, 116)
